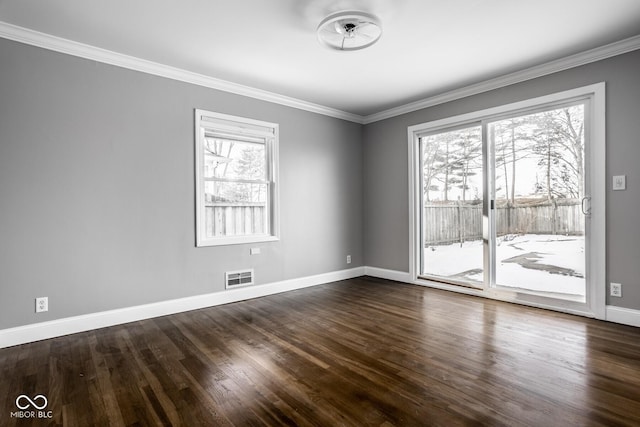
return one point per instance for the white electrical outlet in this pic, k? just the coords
(254, 251)
(615, 290)
(42, 304)
(348, 259)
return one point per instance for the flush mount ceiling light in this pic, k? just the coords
(349, 30)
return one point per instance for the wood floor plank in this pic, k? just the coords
(360, 352)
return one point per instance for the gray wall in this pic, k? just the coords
(97, 189)
(386, 237)
(97, 186)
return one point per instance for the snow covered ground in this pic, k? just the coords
(543, 263)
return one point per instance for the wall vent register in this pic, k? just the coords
(234, 279)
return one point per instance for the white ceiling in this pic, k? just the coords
(428, 47)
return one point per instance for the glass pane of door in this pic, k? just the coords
(451, 204)
(538, 187)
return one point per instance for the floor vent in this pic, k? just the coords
(234, 279)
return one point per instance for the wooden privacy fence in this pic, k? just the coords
(459, 222)
(232, 219)
(445, 224)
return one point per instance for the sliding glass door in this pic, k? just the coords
(503, 202)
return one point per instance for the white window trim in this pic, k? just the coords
(229, 124)
(596, 306)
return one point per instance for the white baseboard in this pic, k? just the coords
(623, 315)
(71, 325)
(382, 273)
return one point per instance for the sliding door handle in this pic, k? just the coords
(586, 205)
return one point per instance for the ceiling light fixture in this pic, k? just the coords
(349, 30)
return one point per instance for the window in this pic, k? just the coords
(236, 189)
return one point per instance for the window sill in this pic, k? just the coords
(238, 240)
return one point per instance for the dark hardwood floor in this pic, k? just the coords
(353, 353)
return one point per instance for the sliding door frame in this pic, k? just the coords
(595, 116)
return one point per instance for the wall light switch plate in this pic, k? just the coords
(619, 182)
(254, 251)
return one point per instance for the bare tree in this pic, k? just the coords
(468, 158)
(512, 143)
(560, 146)
(430, 166)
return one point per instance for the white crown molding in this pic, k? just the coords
(58, 44)
(583, 58)
(71, 325)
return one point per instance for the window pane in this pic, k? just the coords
(235, 209)
(235, 192)
(234, 159)
(452, 205)
(228, 219)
